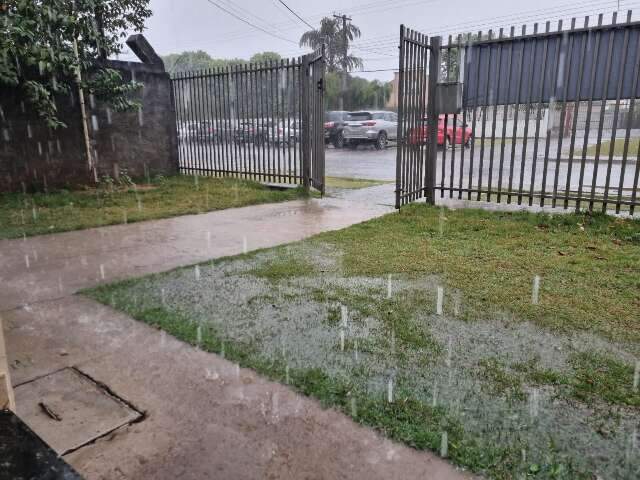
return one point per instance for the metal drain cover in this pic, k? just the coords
(68, 410)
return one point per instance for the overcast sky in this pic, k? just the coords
(179, 25)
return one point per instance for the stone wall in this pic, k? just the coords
(141, 143)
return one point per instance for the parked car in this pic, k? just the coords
(188, 131)
(371, 127)
(334, 123)
(289, 134)
(459, 134)
(206, 132)
(252, 131)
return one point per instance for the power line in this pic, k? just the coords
(249, 23)
(298, 16)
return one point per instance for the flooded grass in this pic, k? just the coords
(423, 325)
(163, 197)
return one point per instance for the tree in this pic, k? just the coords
(265, 57)
(361, 93)
(201, 60)
(49, 46)
(330, 33)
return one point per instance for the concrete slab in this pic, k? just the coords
(69, 410)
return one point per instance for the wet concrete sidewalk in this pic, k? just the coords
(53, 266)
(195, 415)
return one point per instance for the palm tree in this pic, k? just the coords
(331, 34)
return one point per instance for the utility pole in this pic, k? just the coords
(345, 53)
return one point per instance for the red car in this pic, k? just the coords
(458, 134)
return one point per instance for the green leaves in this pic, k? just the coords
(37, 54)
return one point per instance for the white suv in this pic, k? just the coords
(376, 127)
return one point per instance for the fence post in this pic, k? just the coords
(401, 138)
(432, 121)
(306, 124)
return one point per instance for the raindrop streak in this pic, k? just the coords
(390, 391)
(389, 286)
(286, 374)
(354, 409)
(440, 300)
(245, 247)
(197, 272)
(343, 314)
(449, 351)
(94, 123)
(434, 402)
(102, 271)
(199, 336)
(26, 260)
(534, 400)
(636, 377)
(208, 240)
(535, 294)
(163, 296)
(441, 221)
(341, 340)
(444, 445)
(355, 347)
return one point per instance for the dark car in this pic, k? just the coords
(334, 123)
(252, 131)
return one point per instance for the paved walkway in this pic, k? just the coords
(205, 417)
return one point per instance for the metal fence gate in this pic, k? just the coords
(257, 121)
(545, 118)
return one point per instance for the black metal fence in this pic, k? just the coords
(257, 121)
(544, 118)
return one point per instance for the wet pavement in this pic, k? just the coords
(203, 417)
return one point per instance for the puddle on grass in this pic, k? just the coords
(464, 367)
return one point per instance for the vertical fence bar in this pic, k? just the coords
(587, 126)
(630, 115)
(415, 105)
(594, 180)
(576, 112)
(475, 108)
(505, 115)
(402, 138)
(516, 116)
(543, 77)
(432, 119)
(527, 118)
(614, 126)
(306, 151)
(495, 116)
(467, 59)
(565, 86)
(228, 116)
(484, 120)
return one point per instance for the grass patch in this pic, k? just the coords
(601, 377)
(589, 264)
(618, 148)
(352, 183)
(283, 267)
(64, 210)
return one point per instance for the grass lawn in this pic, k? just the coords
(508, 342)
(352, 183)
(60, 211)
(618, 149)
